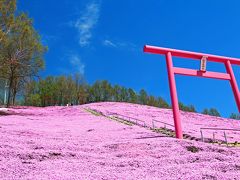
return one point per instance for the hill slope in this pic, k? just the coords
(191, 122)
(75, 143)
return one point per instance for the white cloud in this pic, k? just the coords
(109, 43)
(119, 44)
(86, 23)
(77, 64)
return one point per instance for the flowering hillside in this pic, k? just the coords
(76, 143)
(191, 122)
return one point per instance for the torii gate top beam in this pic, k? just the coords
(189, 54)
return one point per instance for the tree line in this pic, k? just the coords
(62, 90)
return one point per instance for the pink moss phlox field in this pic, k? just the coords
(191, 122)
(71, 143)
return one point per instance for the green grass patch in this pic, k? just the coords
(93, 112)
(123, 121)
(96, 113)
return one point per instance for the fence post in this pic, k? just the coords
(201, 135)
(225, 136)
(213, 136)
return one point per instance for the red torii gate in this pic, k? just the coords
(228, 61)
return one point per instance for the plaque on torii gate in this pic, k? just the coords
(202, 72)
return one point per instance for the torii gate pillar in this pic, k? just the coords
(174, 98)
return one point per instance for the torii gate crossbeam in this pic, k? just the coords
(229, 75)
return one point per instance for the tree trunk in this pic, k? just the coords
(14, 97)
(9, 90)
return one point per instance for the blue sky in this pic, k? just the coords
(103, 39)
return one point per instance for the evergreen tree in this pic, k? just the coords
(214, 112)
(143, 97)
(117, 93)
(124, 96)
(191, 108)
(106, 91)
(205, 111)
(83, 94)
(235, 116)
(132, 96)
(162, 103)
(186, 108)
(95, 92)
(152, 101)
(211, 112)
